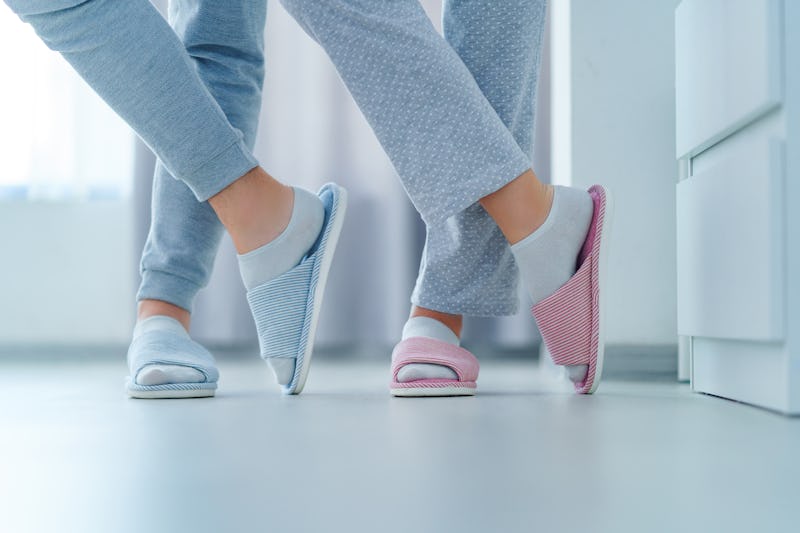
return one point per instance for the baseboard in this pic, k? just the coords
(621, 361)
(628, 362)
(641, 362)
(634, 362)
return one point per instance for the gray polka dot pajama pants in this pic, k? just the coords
(455, 116)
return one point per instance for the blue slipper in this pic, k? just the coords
(161, 347)
(286, 309)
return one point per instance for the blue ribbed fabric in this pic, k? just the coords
(283, 308)
(173, 387)
(162, 348)
(279, 307)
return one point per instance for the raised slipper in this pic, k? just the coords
(286, 309)
(572, 320)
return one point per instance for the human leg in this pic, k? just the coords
(226, 45)
(500, 44)
(433, 120)
(448, 145)
(467, 265)
(131, 58)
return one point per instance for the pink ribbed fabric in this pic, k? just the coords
(569, 318)
(433, 351)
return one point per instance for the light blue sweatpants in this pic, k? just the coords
(226, 42)
(449, 145)
(129, 55)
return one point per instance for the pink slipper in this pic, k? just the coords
(432, 351)
(571, 320)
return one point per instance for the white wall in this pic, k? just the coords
(614, 124)
(67, 273)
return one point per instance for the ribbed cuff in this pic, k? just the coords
(220, 171)
(158, 285)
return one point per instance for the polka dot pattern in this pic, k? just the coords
(455, 117)
(467, 266)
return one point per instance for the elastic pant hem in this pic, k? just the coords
(501, 176)
(220, 171)
(176, 290)
(469, 308)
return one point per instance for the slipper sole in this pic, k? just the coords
(334, 230)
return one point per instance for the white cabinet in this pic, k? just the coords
(730, 246)
(728, 67)
(738, 206)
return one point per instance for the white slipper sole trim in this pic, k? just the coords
(327, 259)
(602, 275)
(432, 392)
(168, 394)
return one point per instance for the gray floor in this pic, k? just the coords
(524, 455)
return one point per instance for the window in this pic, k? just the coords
(58, 139)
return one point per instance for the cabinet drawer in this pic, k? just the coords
(730, 246)
(727, 67)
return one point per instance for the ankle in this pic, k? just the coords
(148, 308)
(288, 249)
(454, 322)
(520, 207)
(254, 209)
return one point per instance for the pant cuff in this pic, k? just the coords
(221, 170)
(499, 177)
(492, 309)
(158, 285)
(36, 7)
